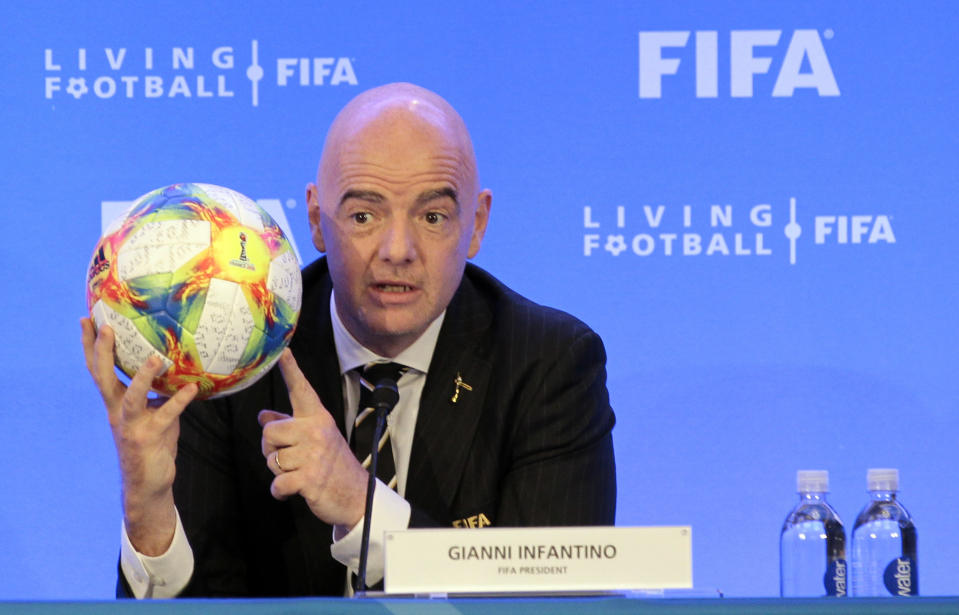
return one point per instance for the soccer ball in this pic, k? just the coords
(203, 278)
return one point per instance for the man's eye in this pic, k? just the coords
(434, 217)
(361, 217)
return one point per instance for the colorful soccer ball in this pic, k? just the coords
(202, 277)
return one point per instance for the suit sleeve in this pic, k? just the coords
(562, 469)
(206, 485)
(204, 482)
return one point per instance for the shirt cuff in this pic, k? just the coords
(390, 512)
(163, 576)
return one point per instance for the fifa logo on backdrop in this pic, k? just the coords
(721, 230)
(180, 72)
(665, 56)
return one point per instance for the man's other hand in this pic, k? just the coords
(315, 460)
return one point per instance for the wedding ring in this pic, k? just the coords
(276, 460)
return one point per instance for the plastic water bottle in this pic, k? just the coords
(883, 559)
(812, 544)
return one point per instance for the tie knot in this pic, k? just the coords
(372, 373)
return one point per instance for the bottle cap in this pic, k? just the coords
(882, 479)
(812, 481)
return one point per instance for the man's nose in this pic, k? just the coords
(398, 244)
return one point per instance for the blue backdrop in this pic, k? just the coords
(651, 164)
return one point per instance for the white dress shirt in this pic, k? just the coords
(165, 576)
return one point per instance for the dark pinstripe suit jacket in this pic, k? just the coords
(529, 445)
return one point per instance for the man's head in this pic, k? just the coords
(398, 209)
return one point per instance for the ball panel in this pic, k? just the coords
(285, 279)
(224, 328)
(182, 351)
(178, 201)
(169, 228)
(244, 209)
(256, 348)
(227, 360)
(147, 294)
(239, 254)
(132, 348)
(147, 203)
(275, 323)
(162, 247)
(185, 297)
(280, 327)
(179, 347)
(262, 345)
(166, 335)
(249, 378)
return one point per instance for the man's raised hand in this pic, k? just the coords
(145, 433)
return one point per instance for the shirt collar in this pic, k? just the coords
(352, 354)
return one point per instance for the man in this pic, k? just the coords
(503, 418)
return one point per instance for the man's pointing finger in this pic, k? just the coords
(303, 398)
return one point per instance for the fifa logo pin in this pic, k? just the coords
(459, 384)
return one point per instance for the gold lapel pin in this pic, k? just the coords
(459, 385)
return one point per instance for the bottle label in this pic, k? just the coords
(902, 577)
(835, 578)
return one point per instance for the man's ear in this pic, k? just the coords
(313, 207)
(483, 203)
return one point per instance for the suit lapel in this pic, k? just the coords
(445, 429)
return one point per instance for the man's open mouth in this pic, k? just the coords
(394, 288)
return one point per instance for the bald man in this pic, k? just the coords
(503, 418)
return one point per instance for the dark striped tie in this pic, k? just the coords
(361, 438)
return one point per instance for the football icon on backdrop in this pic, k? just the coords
(202, 277)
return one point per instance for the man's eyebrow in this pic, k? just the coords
(438, 193)
(363, 195)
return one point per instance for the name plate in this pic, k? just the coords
(544, 559)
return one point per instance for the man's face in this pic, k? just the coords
(398, 212)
